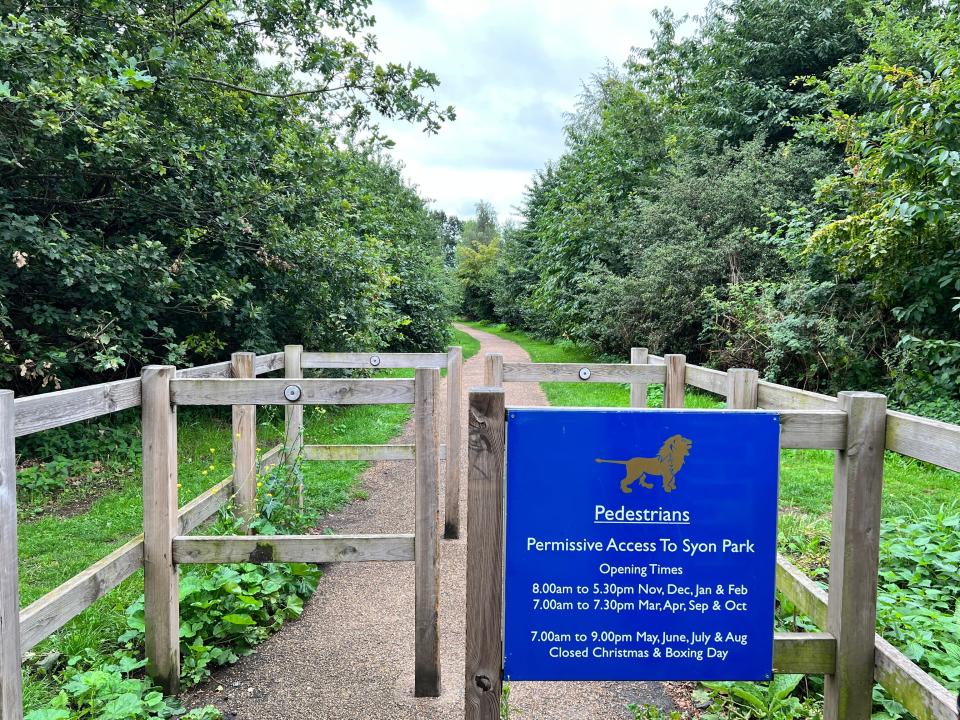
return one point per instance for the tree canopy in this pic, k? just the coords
(178, 180)
(776, 189)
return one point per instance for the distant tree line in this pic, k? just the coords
(181, 180)
(778, 190)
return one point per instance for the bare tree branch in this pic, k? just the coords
(196, 11)
(262, 93)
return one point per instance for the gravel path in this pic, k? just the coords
(350, 656)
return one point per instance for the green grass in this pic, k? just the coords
(806, 476)
(55, 548)
(470, 345)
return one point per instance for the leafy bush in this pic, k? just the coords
(109, 692)
(166, 196)
(229, 610)
(225, 611)
(918, 606)
(773, 700)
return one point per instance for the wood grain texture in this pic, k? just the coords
(427, 529)
(204, 506)
(825, 429)
(451, 486)
(776, 397)
(293, 413)
(50, 410)
(47, 614)
(802, 591)
(714, 381)
(741, 388)
(292, 548)
(244, 445)
(216, 370)
(363, 452)
(161, 587)
(921, 438)
(381, 361)
(493, 370)
(674, 385)
(270, 392)
(928, 440)
(483, 660)
(854, 557)
(570, 372)
(804, 653)
(638, 390)
(924, 697)
(268, 363)
(11, 680)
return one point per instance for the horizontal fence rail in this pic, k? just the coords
(56, 409)
(572, 372)
(271, 392)
(799, 429)
(50, 410)
(375, 361)
(292, 548)
(804, 653)
(921, 438)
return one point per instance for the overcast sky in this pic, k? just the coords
(512, 68)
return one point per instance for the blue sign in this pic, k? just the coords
(640, 545)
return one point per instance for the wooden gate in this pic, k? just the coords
(844, 654)
(165, 548)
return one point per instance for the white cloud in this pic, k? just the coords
(512, 68)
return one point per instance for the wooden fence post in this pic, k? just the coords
(675, 385)
(11, 678)
(244, 444)
(451, 524)
(161, 587)
(293, 414)
(483, 661)
(742, 384)
(854, 557)
(493, 370)
(427, 535)
(638, 391)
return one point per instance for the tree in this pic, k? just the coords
(164, 194)
(451, 230)
(482, 229)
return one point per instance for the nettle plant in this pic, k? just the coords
(225, 611)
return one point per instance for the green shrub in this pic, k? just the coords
(225, 611)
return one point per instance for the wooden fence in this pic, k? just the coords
(857, 425)
(22, 629)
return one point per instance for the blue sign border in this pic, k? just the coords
(727, 487)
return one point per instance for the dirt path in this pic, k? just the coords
(350, 656)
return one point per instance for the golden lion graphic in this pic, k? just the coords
(666, 464)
